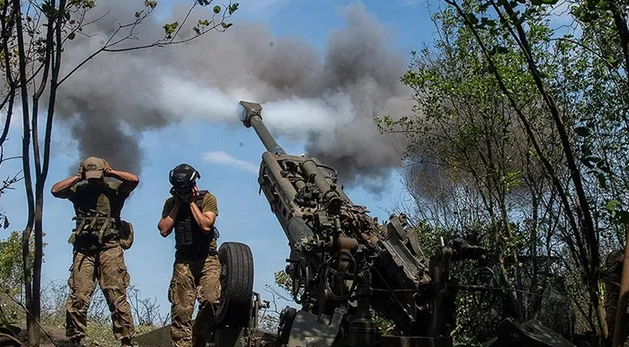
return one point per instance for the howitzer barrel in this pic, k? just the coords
(310, 167)
(250, 115)
(275, 170)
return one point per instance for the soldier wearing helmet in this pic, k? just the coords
(196, 271)
(99, 243)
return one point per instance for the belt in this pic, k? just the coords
(195, 253)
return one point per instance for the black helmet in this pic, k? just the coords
(183, 177)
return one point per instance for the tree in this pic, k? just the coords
(32, 39)
(11, 278)
(513, 111)
(469, 163)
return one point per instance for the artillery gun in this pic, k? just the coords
(344, 266)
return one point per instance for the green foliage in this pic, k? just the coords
(32, 48)
(11, 276)
(99, 333)
(232, 8)
(283, 280)
(473, 170)
(11, 260)
(170, 28)
(150, 4)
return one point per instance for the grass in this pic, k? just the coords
(98, 333)
(99, 327)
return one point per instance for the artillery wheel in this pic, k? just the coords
(235, 305)
(341, 267)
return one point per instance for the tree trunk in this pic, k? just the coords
(599, 307)
(34, 332)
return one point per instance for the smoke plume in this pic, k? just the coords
(330, 104)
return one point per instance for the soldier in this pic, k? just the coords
(196, 270)
(98, 254)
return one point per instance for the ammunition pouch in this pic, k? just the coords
(94, 230)
(126, 234)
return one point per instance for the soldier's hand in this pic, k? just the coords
(194, 195)
(175, 196)
(107, 169)
(81, 173)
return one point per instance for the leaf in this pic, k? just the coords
(582, 131)
(170, 28)
(71, 36)
(611, 205)
(488, 22)
(602, 181)
(151, 4)
(590, 161)
(233, 8)
(623, 216)
(217, 9)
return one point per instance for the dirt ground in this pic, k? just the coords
(50, 337)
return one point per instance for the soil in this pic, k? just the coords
(50, 337)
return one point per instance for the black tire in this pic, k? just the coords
(9, 335)
(236, 285)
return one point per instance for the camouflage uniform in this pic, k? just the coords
(98, 256)
(611, 277)
(196, 276)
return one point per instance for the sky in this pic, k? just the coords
(227, 157)
(226, 154)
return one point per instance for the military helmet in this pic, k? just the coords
(183, 177)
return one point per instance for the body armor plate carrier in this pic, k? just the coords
(190, 240)
(96, 229)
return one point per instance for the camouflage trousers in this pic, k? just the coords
(193, 280)
(109, 269)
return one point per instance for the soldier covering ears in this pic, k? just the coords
(99, 241)
(196, 270)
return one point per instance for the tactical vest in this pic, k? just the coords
(97, 217)
(189, 238)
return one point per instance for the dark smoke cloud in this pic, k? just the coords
(330, 103)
